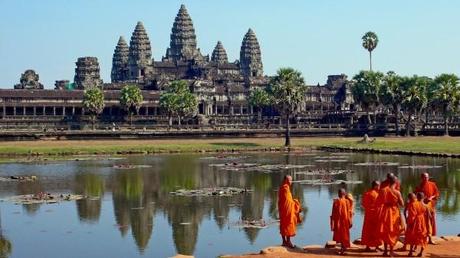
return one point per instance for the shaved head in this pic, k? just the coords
(342, 192)
(375, 184)
(288, 179)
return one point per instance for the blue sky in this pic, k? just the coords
(316, 37)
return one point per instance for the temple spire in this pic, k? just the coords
(120, 61)
(183, 44)
(219, 55)
(140, 53)
(250, 56)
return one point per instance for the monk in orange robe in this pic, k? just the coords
(369, 235)
(341, 221)
(390, 223)
(386, 182)
(416, 231)
(289, 212)
(431, 192)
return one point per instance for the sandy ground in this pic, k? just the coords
(447, 247)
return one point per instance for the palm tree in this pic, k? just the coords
(178, 100)
(392, 94)
(365, 90)
(259, 98)
(93, 102)
(370, 41)
(288, 90)
(447, 95)
(414, 98)
(131, 100)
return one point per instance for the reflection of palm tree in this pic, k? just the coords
(179, 173)
(5, 245)
(91, 186)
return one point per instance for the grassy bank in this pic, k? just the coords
(419, 144)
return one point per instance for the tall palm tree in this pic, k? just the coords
(288, 90)
(131, 100)
(447, 95)
(370, 41)
(93, 102)
(414, 98)
(365, 90)
(392, 94)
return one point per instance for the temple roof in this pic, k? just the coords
(183, 38)
(250, 48)
(219, 55)
(139, 46)
(250, 55)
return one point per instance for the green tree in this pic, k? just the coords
(370, 41)
(259, 98)
(93, 103)
(446, 95)
(178, 101)
(392, 94)
(415, 98)
(131, 100)
(288, 91)
(366, 90)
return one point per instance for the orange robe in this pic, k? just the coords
(390, 223)
(341, 219)
(370, 235)
(430, 189)
(416, 232)
(386, 183)
(289, 210)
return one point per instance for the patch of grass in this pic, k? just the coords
(81, 147)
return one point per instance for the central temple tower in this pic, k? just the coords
(183, 44)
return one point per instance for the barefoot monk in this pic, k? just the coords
(390, 222)
(289, 210)
(341, 220)
(416, 232)
(370, 236)
(431, 192)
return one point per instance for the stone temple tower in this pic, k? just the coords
(140, 54)
(87, 73)
(250, 56)
(120, 69)
(219, 55)
(183, 44)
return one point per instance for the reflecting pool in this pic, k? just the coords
(130, 211)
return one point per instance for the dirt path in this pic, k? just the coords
(448, 247)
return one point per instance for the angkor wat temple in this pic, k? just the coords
(222, 87)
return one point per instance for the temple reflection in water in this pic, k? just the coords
(139, 195)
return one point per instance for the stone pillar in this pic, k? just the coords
(44, 109)
(155, 111)
(73, 111)
(54, 110)
(23, 111)
(4, 110)
(241, 109)
(63, 111)
(14, 111)
(147, 111)
(35, 111)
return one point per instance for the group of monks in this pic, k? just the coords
(383, 222)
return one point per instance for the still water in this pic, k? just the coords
(131, 213)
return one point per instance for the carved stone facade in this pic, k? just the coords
(120, 70)
(87, 73)
(29, 80)
(222, 87)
